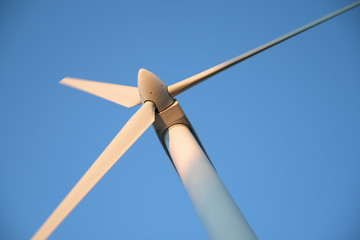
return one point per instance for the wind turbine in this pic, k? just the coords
(217, 211)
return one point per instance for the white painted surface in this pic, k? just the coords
(220, 216)
(132, 130)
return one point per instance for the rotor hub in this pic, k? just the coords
(151, 88)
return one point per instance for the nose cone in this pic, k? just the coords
(151, 88)
(147, 78)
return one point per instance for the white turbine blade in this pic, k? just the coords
(123, 95)
(186, 84)
(132, 130)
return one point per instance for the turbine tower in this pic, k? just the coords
(219, 215)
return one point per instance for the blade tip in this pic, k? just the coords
(64, 81)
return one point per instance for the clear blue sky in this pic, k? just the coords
(282, 128)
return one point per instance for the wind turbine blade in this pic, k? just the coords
(132, 130)
(188, 83)
(123, 95)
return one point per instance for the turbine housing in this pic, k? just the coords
(151, 88)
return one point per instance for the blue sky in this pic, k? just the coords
(282, 128)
